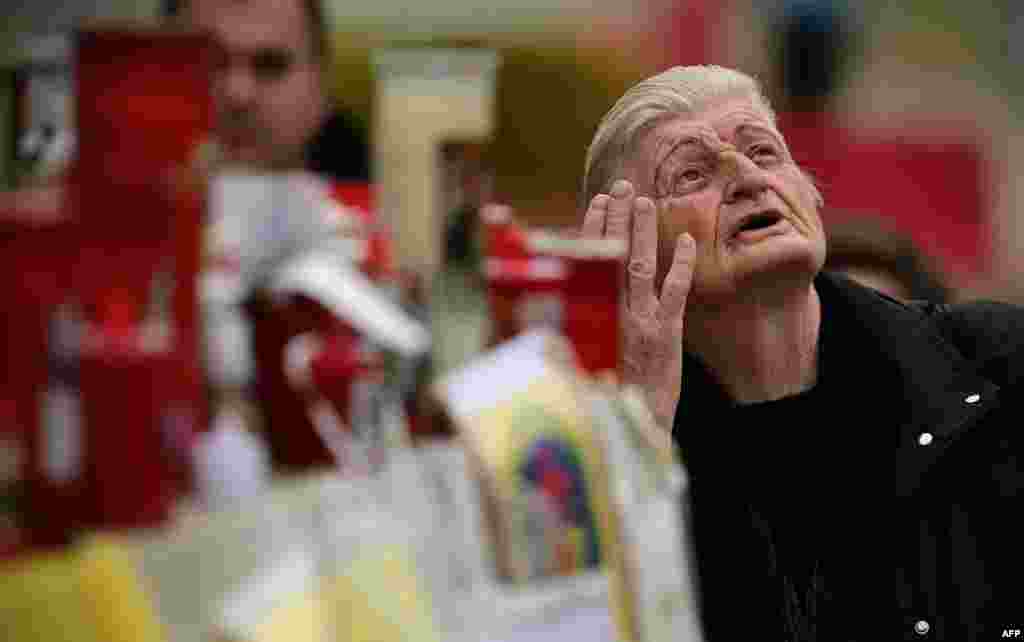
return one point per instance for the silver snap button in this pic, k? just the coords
(975, 398)
(922, 627)
(925, 438)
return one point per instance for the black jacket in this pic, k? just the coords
(886, 509)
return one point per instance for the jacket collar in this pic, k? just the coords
(945, 392)
(938, 382)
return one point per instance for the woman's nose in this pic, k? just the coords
(745, 180)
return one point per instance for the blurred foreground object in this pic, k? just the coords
(102, 332)
(537, 278)
(144, 111)
(553, 511)
(585, 481)
(36, 262)
(286, 259)
(575, 476)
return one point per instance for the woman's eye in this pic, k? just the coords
(689, 179)
(763, 153)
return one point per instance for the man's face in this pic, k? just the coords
(269, 94)
(726, 177)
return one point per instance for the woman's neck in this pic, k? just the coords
(759, 351)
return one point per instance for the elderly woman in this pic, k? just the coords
(853, 458)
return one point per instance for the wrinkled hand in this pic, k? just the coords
(652, 321)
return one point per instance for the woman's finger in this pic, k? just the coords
(643, 261)
(620, 210)
(676, 287)
(594, 220)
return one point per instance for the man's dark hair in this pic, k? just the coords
(815, 41)
(315, 23)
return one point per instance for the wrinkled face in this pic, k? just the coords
(269, 95)
(726, 177)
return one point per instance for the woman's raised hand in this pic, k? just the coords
(652, 320)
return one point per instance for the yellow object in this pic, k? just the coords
(279, 603)
(40, 601)
(119, 606)
(91, 593)
(380, 599)
(303, 618)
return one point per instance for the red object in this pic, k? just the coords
(358, 197)
(592, 321)
(292, 439)
(133, 460)
(13, 451)
(144, 112)
(690, 29)
(523, 292)
(503, 237)
(518, 282)
(573, 289)
(931, 186)
(343, 363)
(577, 295)
(36, 261)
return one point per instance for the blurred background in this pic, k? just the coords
(936, 73)
(905, 111)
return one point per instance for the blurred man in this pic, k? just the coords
(273, 108)
(274, 113)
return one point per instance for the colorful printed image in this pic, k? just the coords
(558, 502)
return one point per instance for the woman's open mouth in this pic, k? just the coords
(760, 225)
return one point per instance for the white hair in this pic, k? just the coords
(679, 91)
